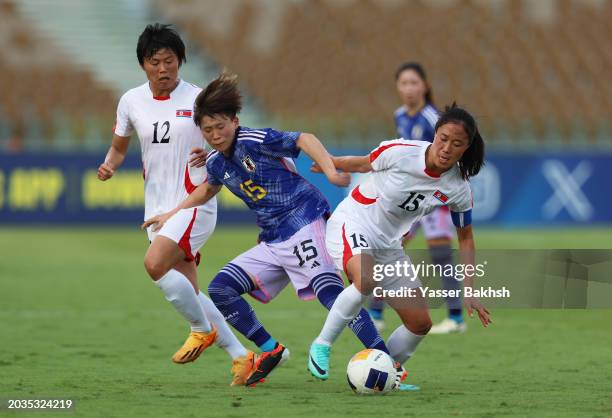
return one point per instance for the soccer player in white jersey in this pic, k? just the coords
(408, 180)
(416, 119)
(160, 111)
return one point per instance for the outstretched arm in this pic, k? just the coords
(467, 251)
(317, 152)
(348, 163)
(114, 157)
(202, 194)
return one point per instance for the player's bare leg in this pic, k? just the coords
(161, 258)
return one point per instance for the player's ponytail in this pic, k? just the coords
(472, 159)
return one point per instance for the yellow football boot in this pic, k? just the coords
(242, 367)
(193, 347)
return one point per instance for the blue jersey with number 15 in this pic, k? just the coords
(260, 171)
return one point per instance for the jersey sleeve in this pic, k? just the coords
(123, 126)
(461, 209)
(280, 144)
(388, 153)
(213, 178)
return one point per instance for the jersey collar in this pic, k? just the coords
(162, 98)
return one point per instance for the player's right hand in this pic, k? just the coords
(105, 172)
(315, 168)
(473, 304)
(340, 179)
(157, 221)
(197, 157)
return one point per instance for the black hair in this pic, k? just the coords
(156, 37)
(472, 159)
(220, 97)
(418, 68)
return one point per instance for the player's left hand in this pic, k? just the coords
(339, 179)
(157, 221)
(198, 157)
(473, 304)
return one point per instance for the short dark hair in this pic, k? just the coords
(156, 37)
(417, 68)
(220, 97)
(472, 159)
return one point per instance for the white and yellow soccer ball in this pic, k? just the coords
(371, 372)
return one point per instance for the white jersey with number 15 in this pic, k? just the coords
(400, 190)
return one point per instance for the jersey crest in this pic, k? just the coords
(249, 164)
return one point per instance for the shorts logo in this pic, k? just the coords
(226, 176)
(248, 163)
(441, 196)
(183, 113)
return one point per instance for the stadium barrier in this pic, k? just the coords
(513, 190)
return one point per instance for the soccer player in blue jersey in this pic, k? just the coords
(416, 120)
(257, 166)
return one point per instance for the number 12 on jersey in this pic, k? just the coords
(165, 137)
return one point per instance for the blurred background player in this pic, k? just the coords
(408, 179)
(416, 120)
(160, 111)
(257, 166)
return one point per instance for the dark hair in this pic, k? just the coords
(220, 97)
(156, 37)
(472, 159)
(418, 68)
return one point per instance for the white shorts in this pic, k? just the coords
(437, 224)
(189, 228)
(346, 238)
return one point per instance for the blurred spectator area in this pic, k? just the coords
(45, 96)
(534, 71)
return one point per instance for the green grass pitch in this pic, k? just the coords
(79, 319)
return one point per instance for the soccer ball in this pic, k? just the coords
(371, 372)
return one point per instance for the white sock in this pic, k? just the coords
(345, 308)
(226, 339)
(402, 343)
(180, 293)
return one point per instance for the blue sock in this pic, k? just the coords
(327, 287)
(269, 345)
(443, 255)
(456, 315)
(376, 313)
(225, 290)
(377, 305)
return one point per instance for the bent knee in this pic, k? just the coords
(419, 326)
(155, 267)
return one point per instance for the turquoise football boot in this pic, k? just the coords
(318, 360)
